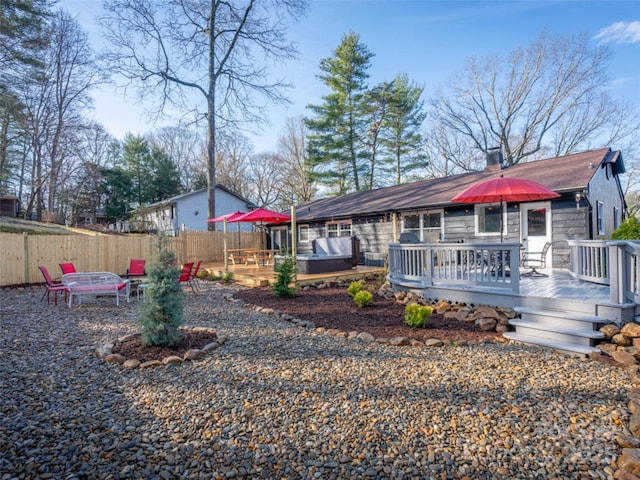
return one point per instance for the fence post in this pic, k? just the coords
(25, 241)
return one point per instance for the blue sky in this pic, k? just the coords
(427, 40)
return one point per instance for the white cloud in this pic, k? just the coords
(621, 32)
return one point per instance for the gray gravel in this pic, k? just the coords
(279, 401)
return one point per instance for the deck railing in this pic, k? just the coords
(496, 266)
(625, 271)
(608, 262)
(421, 265)
(589, 260)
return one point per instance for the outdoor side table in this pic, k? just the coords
(141, 288)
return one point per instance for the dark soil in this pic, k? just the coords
(333, 308)
(134, 349)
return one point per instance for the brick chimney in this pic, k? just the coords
(494, 159)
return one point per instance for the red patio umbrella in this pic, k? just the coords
(504, 189)
(229, 216)
(262, 215)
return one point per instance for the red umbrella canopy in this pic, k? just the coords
(262, 215)
(229, 216)
(504, 189)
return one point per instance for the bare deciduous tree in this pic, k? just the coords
(535, 101)
(187, 148)
(233, 155)
(297, 186)
(212, 47)
(265, 176)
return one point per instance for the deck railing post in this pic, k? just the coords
(616, 273)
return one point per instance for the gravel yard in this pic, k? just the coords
(280, 401)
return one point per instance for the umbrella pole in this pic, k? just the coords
(294, 243)
(501, 218)
(226, 249)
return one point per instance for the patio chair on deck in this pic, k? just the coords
(67, 268)
(52, 287)
(535, 260)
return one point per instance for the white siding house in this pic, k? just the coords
(189, 211)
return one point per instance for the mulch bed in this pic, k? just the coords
(334, 308)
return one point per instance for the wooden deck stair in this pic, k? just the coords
(574, 333)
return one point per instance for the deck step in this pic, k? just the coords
(562, 319)
(563, 314)
(564, 347)
(555, 332)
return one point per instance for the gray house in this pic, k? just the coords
(189, 211)
(591, 206)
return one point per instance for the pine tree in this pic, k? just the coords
(161, 313)
(333, 143)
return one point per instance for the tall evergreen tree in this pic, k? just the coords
(138, 160)
(333, 143)
(401, 133)
(165, 180)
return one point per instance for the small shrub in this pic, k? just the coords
(628, 230)
(354, 288)
(285, 273)
(363, 298)
(161, 313)
(416, 315)
(227, 277)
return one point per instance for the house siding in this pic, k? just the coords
(566, 175)
(189, 211)
(568, 221)
(604, 187)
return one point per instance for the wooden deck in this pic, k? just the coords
(558, 285)
(263, 275)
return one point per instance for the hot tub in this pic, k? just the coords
(309, 264)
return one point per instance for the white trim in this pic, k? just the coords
(476, 222)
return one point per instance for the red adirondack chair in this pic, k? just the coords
(52, 287)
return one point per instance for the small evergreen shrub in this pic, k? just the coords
(284, 278)
(363, 298)
(161, 313)
(416, 315)
(354, 288)
(628, 230)
(227, 277)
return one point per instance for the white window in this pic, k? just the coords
(487, 219)
(427, 226)
(600, 218)
(339, 229)
(303, 233)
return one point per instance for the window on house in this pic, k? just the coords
(600, 218)
(487, 219)
(339, 229)
(616, 218)
(426, 226)
(303, 233)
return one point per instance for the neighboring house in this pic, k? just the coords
(88, 217)
(9, 206)
(591, 206)
(189, 211)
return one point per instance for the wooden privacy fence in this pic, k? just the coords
(21, 254)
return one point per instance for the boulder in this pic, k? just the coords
(631, 330)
